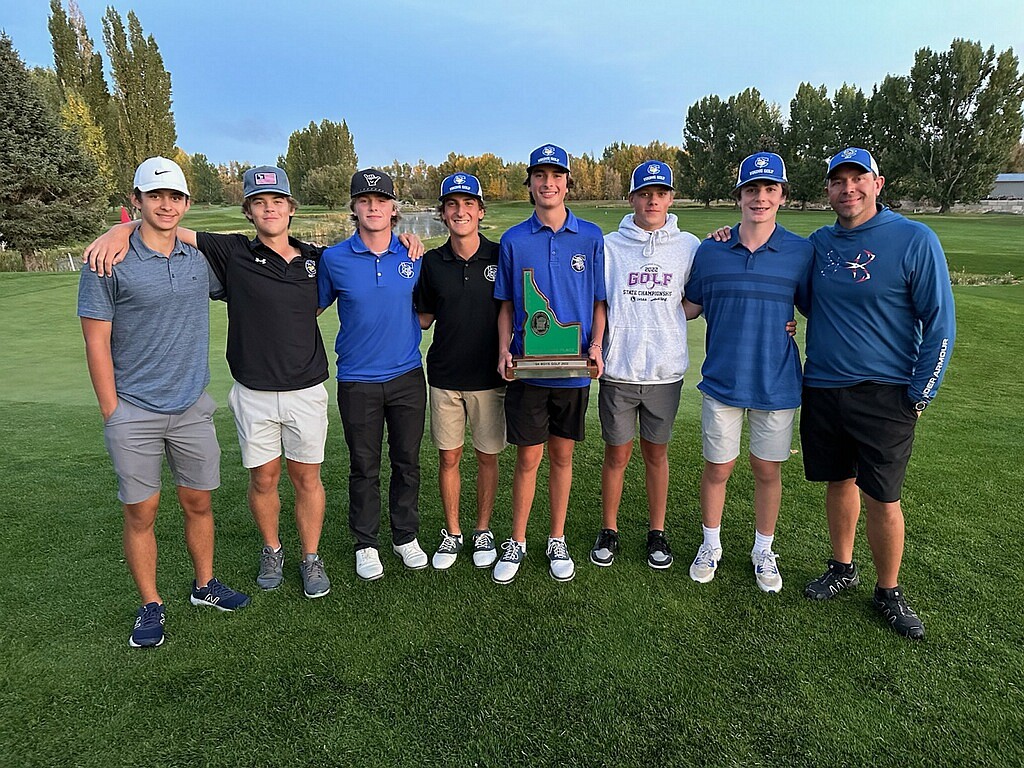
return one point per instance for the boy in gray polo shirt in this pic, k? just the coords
(146, 331)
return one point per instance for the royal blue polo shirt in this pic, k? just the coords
(379, 331)
(568, 266)
(751, 361)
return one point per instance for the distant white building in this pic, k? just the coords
(1008, 186)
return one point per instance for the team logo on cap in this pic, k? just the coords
(310, 268)
(762, 162)
(548, 151)
(405, 269)
(848, 153)
(460, 179)
(490, 272)
(263, 179)
(372, 179)
(654, 169)
(578, 262)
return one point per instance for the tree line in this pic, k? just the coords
(69, 142)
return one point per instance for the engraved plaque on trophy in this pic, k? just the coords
(551, 350)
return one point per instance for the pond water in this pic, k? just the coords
(328, 232)
(421, 223)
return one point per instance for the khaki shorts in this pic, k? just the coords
(771, 432)
(484, 409)
(267, 420)
(137, 441)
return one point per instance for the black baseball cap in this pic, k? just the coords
(371, 180)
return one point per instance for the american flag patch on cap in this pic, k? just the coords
(262, 179)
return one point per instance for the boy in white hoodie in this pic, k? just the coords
(647, 264)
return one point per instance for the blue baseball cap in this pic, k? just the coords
(549, 154)
(761, 166)
(466, 183)
(854, 156)
(650, 173)
(265, 178)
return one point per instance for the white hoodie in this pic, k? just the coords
(645, 273)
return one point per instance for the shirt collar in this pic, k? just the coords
(144, 252)
(774, 242)
(358, 246)
(572, 224)
(448, 253)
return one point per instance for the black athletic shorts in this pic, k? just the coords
(532, 413)
(865, 431)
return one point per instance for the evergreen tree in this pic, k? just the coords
(850, 118)
(756, 125)
(47, 184)
(205, 183)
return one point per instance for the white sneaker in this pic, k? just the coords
(484, 551)
(766, 570)
(705, 564)
(508, 565)
(368, 565)
(560, 565)
(413, 556)
(447, 551)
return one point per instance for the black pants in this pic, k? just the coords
(401, 403)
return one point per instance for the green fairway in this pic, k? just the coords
(622, 667)
(978, 244)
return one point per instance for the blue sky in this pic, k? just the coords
(420, 79)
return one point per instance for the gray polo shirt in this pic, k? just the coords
(160, 335)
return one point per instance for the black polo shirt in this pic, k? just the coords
(274, 342)
(460, 295)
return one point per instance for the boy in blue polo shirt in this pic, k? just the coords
(147, 339)
(380, 374)
(567, 258)
(746, 289)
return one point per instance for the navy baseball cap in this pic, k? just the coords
(466, 183)
(266, 178)
(372, 180)
(649, 173)
(854, 156)
(761, 166)
(549, 154)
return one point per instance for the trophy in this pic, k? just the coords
(551, 350)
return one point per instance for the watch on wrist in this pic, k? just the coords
(920, 405)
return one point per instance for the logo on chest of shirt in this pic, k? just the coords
(310, 268)
(858, 266)
(258, 260)
(490, 272)
(405, 269)
(578, 262)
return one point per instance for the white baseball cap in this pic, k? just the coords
(160, 173)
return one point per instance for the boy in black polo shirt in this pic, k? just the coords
(456, 288)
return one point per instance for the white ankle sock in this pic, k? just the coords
(713, 536)
(762, 542)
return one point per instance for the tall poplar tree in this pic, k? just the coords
(48, 186)
(707, 150)
(807, 142)
(317, 146)
(141, 97)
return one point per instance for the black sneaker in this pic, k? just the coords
(605, 548)
(892, 604)
(838, 577)
(659, 553)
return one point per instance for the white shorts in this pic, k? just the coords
(771, 432)
(267, 420)
(485, 410)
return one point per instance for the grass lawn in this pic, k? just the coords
(623, 666)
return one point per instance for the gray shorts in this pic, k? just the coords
(621, 405)
(137, 440)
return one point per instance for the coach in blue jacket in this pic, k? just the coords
(879, 337)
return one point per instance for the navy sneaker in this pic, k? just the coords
(148, 631)
(219, 596)
(605, 548)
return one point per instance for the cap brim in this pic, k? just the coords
(857, 163)
(161, 185)
(652, 184)
(374, 191)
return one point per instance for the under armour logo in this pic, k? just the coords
(260, 261)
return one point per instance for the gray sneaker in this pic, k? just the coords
(271, 568)
(314, 578)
